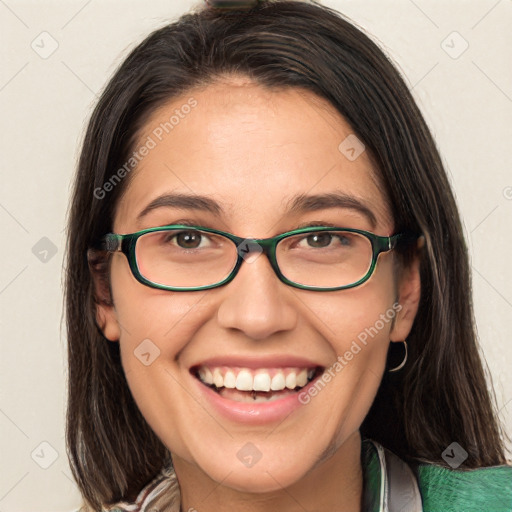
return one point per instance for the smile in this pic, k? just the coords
(252, 389)
(241, 384)
(254, 394)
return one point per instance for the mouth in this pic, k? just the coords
(255, 384)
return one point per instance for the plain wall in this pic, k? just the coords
(45, 101)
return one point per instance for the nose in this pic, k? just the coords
(256, 302)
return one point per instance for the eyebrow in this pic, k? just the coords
(300, 203)
(183, 201)
(308, 203)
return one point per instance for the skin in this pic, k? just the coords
(252, 149)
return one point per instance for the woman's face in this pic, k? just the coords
(252, 152)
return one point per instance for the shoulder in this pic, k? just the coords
(440, 489)
(444, 489)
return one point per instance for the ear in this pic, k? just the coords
(106, 316)
(106, 319)
(409, 293)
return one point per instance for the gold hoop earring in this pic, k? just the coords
(402, 364)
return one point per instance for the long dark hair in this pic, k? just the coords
(440, 396)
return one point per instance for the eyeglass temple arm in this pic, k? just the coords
(110, 243)
(403, 239)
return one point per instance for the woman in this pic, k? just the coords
(259, 210)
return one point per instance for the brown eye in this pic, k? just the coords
(319, 239)
(188, 239)
(328, 239)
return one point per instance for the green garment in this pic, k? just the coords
(442, 489)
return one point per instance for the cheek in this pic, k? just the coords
(156, 329)
(356, 323)
(359, 316)
(147, 313)
(155, 326)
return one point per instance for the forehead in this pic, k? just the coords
(250, 148)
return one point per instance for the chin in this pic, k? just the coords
(259, 480)
(280, 469)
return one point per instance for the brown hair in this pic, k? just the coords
(440, 396)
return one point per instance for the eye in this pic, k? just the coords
(185, 239)
(327, 239)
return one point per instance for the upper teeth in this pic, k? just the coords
(245, 379)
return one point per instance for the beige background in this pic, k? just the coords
(45, 100)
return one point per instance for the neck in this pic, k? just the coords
(334, 483)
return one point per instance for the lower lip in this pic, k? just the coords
(257, 413)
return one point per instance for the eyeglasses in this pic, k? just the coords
(183, 257)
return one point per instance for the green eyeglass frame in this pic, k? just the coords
(113, 242)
